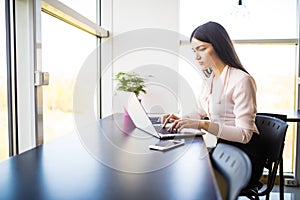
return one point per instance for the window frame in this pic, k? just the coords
(24, 48)
(11, 77)
(297, 142)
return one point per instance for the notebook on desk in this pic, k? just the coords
(142, 121)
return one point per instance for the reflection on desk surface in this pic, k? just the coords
(68, 169)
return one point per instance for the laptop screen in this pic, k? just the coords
(136, 111)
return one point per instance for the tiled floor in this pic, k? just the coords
(290, 193)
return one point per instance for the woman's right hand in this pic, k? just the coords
(167, 119)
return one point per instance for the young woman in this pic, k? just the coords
(227, 106)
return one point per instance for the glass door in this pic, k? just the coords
(69, 37)
(40, 103)
(65, 49)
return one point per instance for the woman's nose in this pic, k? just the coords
(198, 56)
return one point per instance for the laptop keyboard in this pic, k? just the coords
(162, 130)
(154, 120)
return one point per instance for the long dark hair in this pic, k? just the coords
(217, 36)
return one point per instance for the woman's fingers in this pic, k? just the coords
(163, 118)
(168, 118)
(174, 127)
(180, 124)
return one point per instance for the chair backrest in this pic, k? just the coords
(279, 116)
(234, 165)
(268, 147)
(272, 136)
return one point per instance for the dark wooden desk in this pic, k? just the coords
(117, 165)
(293, 116)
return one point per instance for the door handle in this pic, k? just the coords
(41, 78)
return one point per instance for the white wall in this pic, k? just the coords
(135, 25)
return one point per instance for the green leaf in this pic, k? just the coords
(130, 82)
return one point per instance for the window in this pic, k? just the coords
(4, 149)
(65, 48)
(267, 46)
(275, 79)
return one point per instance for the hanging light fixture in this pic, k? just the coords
(240, 11)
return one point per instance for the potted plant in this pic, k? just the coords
(130, 82)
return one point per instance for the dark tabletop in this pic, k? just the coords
(109, 160)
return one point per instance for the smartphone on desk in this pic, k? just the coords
(166, 145)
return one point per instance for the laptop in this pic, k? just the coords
(141, 120)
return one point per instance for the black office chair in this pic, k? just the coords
(233, 170)
(279, 116)
(281, 178)
(270, 143)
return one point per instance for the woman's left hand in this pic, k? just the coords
(180, 124)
